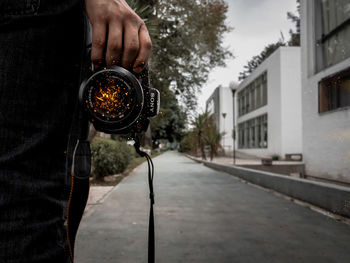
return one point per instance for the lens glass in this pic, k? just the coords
(110, 97)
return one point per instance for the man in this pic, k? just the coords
(41, 43)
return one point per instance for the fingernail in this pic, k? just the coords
(99, 64)
(139, 67)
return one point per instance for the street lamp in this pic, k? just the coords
(234, 89)
(223, 139)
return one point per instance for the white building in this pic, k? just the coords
(220, 105)
(269, 107)
(325, 42)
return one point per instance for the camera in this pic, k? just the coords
(118, 101)
(115, 100)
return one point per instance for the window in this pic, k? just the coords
(246, 135)
(252, 134)
(332, 32)
(264, 92)
(334, 92)
(264, 132)
(259, 133)
(253, 96)
(210, 107)
(258, 96)
(240, 136)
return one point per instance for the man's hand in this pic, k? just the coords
(119, 36)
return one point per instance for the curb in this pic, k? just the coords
(333, 198)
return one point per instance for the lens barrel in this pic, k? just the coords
(113, 98)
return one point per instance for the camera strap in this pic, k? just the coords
(151, 236)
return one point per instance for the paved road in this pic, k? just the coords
(206, 216)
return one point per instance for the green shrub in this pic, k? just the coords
(110, 157)
(187, 144)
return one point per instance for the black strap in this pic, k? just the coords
(151, 236)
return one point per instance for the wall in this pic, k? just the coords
(222, 98)
(271, 65)
(326, 136)
(283, 105)
(227, 124)
(291, 123)
(213, 106)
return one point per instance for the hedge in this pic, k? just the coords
(110, 157)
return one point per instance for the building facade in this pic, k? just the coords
(220, 106)
(325, 43)
(269, 107)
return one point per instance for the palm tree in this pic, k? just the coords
(212, 137)
(199, 127)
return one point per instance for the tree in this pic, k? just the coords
(257, 60)
(212, 137)
(188, 143)
(204, 133)
(189, 45)
(171, 121)
(187, 41)
(294, 35)
(199, 128)
(269, 49)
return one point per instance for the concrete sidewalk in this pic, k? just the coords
(333, 198)
(206, 216)
(96, 195)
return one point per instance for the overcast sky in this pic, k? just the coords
(256, 23)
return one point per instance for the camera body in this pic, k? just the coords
(118, 101)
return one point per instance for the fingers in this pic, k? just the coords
(131, 44)
(119, 36)
(114, 44)
(145, 48)
(98, 43)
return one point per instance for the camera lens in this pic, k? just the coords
(111, 97)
